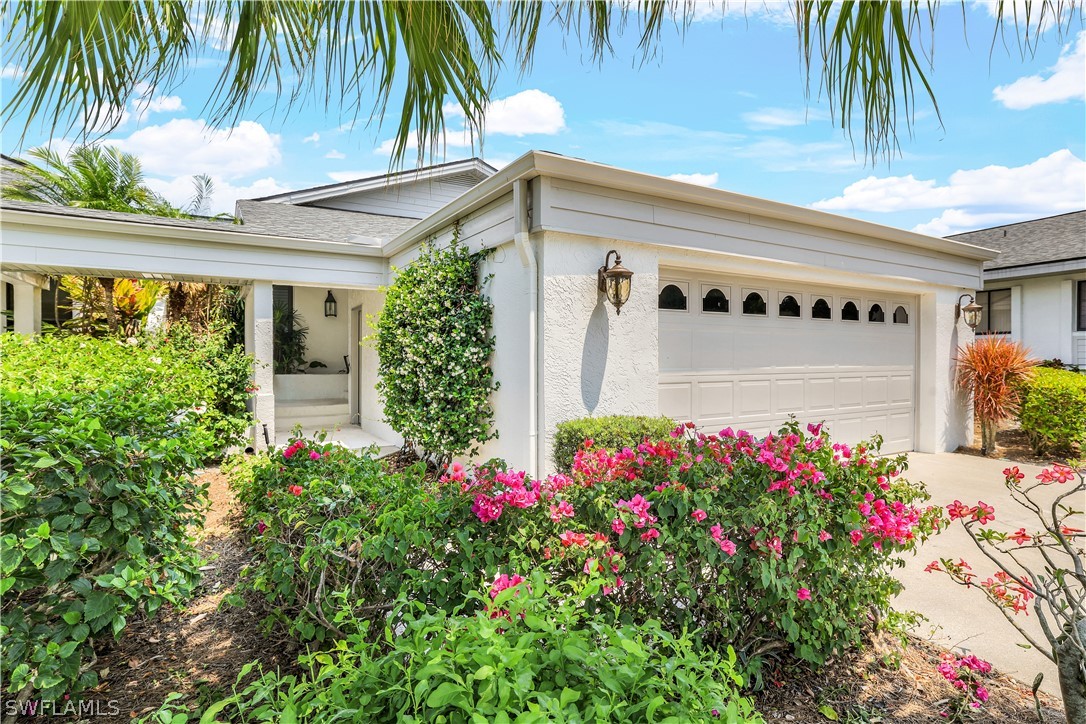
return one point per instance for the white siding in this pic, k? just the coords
(412, 200)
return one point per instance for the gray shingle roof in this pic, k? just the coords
(133, 218)
(308, 222)
(1055, 238)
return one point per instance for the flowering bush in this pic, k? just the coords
(1040, 569)
(613, 432)
(434, 345)
(528, 653)
(783, 543)
(964, 674)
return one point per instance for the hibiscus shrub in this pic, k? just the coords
(525, 653)
(614, 432)
(782, 543)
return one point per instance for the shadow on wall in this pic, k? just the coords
(594, 357)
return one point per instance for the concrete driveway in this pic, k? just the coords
(966, 620)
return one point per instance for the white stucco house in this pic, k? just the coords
(1035, 291)
(742, 312)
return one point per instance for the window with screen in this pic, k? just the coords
(995, 315)
(1081, 326)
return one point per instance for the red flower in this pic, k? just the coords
(698, 515)
(1020, 536)
(933, 566)
(569, 538)
(650, 534)
(296, 489)
(983, 512)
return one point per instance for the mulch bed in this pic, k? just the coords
(198, 651)
(1011, 444)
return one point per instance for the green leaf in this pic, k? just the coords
(828, 711)
(443, 694)
(6, 584)
(46, 462)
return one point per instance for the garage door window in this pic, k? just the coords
(850, 311)
(716, 301)
(788, 307)
(672, 297)
(754, 303)
(901, 315)
(876, 314)
(821, 309)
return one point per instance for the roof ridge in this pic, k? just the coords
(1016, 223)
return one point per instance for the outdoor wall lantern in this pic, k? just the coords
(971, 311)
(330, 307)
(614, 281)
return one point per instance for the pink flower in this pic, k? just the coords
(803, 594)
(618, 526)
(296, 489)
(562, 510)
(503, 582)
(856, 536)
(815, 430)
(486, 509)
(1020, 536)
(261, 526)
(650, 534)
(933, 566)
(727, 546)
(569, 538)
(456, 471)
(958, 510)
(983, 513)
(314, 455)
(823, 536)
(698, 515)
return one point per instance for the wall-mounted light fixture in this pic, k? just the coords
(330, 307)
(970, 312)
(614, 281)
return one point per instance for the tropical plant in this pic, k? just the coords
(524, 652)
(1043, 569)
(992, 369)
(434, 347)
(289, 335)
(872, 59)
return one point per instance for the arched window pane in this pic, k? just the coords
(754, 304)
(875, 314)
(901, 316)
(714, 301)
(850, 312)
(821, 310)
(788, 307)
(671, 297)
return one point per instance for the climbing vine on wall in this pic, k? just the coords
(434, 344)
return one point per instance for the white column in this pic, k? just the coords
(27, 308)
(1066, 316)
(944, 415)
(3, 306)
(259, 335)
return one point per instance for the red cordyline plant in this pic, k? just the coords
(992, 369)
(1040, 569)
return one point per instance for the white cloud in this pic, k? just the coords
(148, 104)
(530, 112)
(312, 138)
(699, 179)
(521, 114)
(771, 118)
(1066, 81)
(774, 12)
(12, 72)
(336, 155)
(179, 191)
(1051, 184)
(185, 146)
(955, 221)
(103, 119)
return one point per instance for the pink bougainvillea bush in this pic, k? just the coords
(785, 543)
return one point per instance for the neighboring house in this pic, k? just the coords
(1035, 291)
(743, 311)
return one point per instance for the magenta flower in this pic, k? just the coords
(562, 510)
(618, 526)
(803, 594)
(314, 455)
(261, 526)
(698, 515)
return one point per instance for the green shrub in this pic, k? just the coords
(528, 655)
(781, 544)
(99, 441)
(1053, 411)
(434, 345)
(610, 433)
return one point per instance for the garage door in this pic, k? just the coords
(747, 354)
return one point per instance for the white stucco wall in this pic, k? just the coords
(1042, 314)
(327, 338)
(944, 415)
(597, 362)
(366, 406)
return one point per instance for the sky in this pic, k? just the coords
(724, 104)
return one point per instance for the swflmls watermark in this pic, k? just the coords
(65, 707)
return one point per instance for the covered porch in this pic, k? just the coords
(328, 385)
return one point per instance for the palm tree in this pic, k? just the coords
(872, 58)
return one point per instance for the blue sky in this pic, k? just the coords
(725, 105)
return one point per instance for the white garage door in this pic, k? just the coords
(748, 353)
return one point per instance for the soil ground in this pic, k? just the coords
(1011, 444)
(197, 652)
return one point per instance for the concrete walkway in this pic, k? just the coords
(966, 620)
